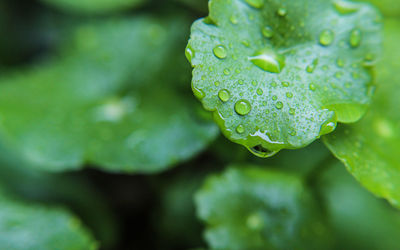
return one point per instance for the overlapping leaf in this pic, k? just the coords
(254, 208)
(279, 74)
(370, 149)
(111, 98)
(26, 226)
(94, 6)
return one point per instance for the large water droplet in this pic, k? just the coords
(224, 95)
(220, 51)
(326, 37)
(268, 60)
(355, 38)
(346, 7)
(260, 151)
(282, 12)
(242, 107)
(279, 105)
(327, 128)
(255, 3)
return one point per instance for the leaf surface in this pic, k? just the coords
(255, 208)
(279, 74)
(370, 149)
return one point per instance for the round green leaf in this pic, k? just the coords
(31, 226)
(370, 149)
(94, 6)
(279, 74)
(255, 208)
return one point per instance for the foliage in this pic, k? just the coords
(104, 146)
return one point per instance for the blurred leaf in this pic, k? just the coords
(279, 74)
(94, 6)
(360, 220)
(256, 208)
(106, 101)
(389, 8)
(69, 190)
(31, 226)
(370, 149)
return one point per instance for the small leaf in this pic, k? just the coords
(112, 99)
(293, 69)
(94, 6)
(32, 226)
(255, 208)
(370, 149)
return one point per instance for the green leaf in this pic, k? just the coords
(359, 220)
(112, 98)
(389, 8)
(255, 208)
(32, 226)
(279, 74)
(94, 6)
(370, 149)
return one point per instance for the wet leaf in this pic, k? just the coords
(279, 74)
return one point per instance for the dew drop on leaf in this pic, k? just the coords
(267, 32)
(198, 93)
(326, 37)
(355, 38)
(240, 129)
(220, 51)
(282, 12)
(345, 7)
(268, 60)
(255, 3)
(189, 53)
(279, 105)
(242, 107)
(224, 95)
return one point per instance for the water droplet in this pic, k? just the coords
(274, 97)
(289, 94)
(242, 107)
(189, 53)
(282, 12)
(216, 83)
(198, 93)
(224, 95)
(240, 129)
(227, 71)
(285, 84)
(355, 38)
(326, 37)
(312, 86)
(292, 111)
(254, 83)
(234, 20)
(220, 51)
(241, 82)
(255, 3)
(327, 128)
(310, 68)
(259, 91)
(268, 60)
(279, 105)
(338, 75)
(273, 84)
(246, 43)
(340, 63)
(345, 7)
(260, 151)
(267, 32)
